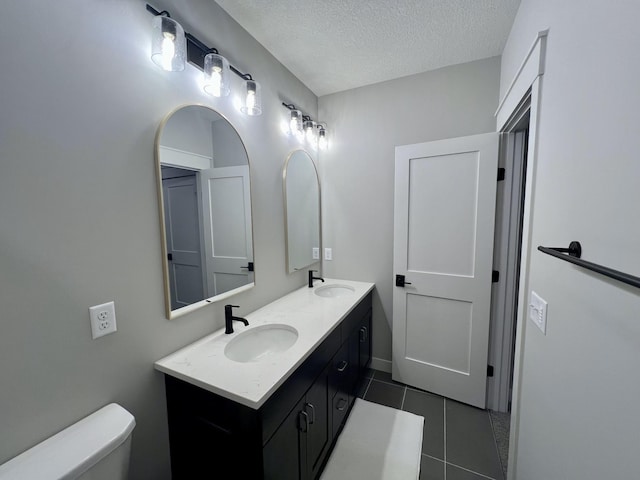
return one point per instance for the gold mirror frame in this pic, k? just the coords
(288, 267)
(175, 313)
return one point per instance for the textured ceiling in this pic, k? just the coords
(335, 45)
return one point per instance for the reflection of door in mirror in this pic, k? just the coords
(302, 207)
(206, 200)
(181, 218)
(227, 223)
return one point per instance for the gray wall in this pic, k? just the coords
(357, 172)
(579, 394)
(80, 102)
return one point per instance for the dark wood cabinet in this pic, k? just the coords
(291, 435)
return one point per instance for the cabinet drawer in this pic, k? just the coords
(339, 372)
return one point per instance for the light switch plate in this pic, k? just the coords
(328, 254)
(538, 311)
(315, 253)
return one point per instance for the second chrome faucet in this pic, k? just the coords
(229, 318)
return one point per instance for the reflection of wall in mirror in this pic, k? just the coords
(227, 149)
(189, 130)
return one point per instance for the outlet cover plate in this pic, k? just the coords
(103, 319)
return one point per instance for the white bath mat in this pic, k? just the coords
(377, 443)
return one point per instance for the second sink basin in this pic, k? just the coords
(259, 342)
(333, 291)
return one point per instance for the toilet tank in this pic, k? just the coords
(96, 448)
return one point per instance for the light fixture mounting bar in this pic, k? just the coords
(196, 50)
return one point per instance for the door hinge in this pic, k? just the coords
(489, 370)
(501, 174)
(495, 276)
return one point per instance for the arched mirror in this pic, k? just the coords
(302, 211)
(205, 209)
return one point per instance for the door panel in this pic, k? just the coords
(431, 182)
(439, 332)
(183, 240)
(227, 227)
(443, 244)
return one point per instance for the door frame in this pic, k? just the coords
(506, 256)
(528, 78)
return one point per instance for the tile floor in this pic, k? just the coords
(458, 441)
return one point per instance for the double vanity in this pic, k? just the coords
(269, 400)
(266, 396)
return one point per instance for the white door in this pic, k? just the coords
(227, 227)
(445, 196)
(183, 240)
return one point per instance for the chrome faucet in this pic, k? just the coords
(312, 278)
(229, 318)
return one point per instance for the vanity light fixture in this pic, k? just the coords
(252, 101)
(310, 130)
(295, 124)
(171, 46)
(304, 127)
(168, 43)
(322, 137)
(216, 75)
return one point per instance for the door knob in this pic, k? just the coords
(401, 282)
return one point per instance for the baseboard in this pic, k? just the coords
(381, 364)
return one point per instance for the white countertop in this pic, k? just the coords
(203, 363)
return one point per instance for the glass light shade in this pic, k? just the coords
(217, 81)
(295, 124)
(252, 98)
(310, 130)
(168, 44)
(322, 138)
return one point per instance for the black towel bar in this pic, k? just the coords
(573, 254)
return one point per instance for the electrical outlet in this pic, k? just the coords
(103, 319)
(315, 253)
(538, 311)
(328, 254)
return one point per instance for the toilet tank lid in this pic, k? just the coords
(75, 449)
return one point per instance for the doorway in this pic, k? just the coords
(510, 199)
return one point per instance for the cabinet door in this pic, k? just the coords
(319, 433)
(285, 453)
(354, 363)
(365, 342)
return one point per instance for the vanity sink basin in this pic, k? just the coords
(334, 291)
(260, 342)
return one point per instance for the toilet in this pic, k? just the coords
(95, 448)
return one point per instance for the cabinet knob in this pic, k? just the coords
(343, 366)
(342, 404)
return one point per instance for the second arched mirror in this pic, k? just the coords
(302, 211)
